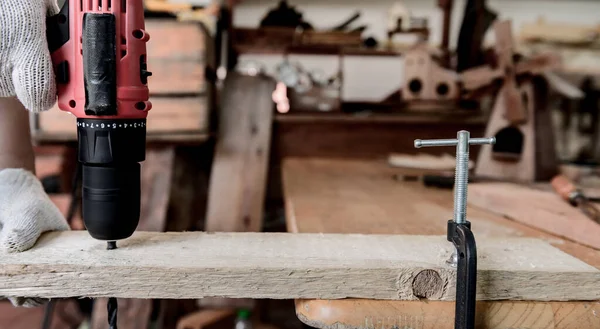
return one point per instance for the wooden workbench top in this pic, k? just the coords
(366, 196)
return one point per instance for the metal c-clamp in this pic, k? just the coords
(459, 229)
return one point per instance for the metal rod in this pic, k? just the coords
(482, 141)
(461, 179)
(434, 142)
(452, 142)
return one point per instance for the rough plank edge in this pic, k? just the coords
(160, 266)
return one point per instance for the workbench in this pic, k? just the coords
(367, 196)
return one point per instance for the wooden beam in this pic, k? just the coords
(285, 266)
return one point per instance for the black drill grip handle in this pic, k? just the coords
(100, 64)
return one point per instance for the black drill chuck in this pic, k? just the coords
(110, 152)
(111, 200)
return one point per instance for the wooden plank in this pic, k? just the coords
(238, 176)
(326, 314)
(156, 175)
(284, 266)
(168, 116)
(544, 210)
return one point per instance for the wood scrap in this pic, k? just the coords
(289, 266)
(544, 210)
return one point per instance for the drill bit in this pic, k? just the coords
(112, 313)
(112, 306)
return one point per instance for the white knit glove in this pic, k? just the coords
(25, 213)
(25, 64)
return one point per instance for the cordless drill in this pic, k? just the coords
(98, 50)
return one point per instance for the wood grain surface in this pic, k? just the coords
(289, 266)
(365, 196)
(176, 57)
(440, 315)
(366, 136)
(239, 173)
(544, 210)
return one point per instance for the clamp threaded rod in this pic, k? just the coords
(461, 178)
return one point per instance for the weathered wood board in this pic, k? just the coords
(285, 266)
(238, 178)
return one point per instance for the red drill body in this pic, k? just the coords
(98, 50)
(130, 55)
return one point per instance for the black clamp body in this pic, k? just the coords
(466, 273)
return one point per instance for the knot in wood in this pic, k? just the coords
(427, 284)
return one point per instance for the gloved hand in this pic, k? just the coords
(26, 72)
(26, 212)
(25, 63)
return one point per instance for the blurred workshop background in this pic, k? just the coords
(262, 110)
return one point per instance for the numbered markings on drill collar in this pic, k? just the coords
(111, 125)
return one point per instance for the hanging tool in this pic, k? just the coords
(98, 50)
(459, 229)
(567, 190)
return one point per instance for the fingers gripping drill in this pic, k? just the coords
(98, 50)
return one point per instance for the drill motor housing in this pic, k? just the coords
(98, 50)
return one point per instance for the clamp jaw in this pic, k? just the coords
(459, 229)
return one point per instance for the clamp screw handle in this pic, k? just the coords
(461, 178)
